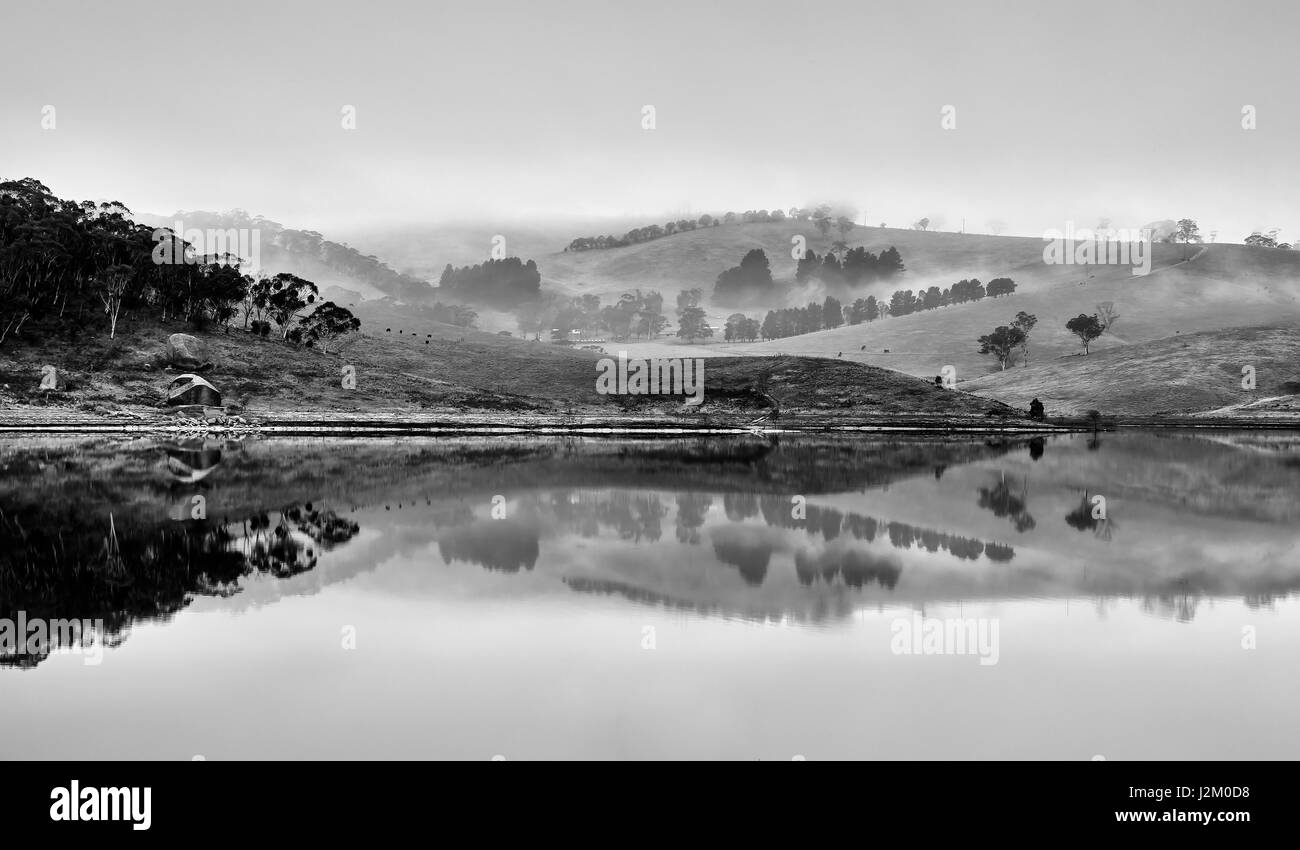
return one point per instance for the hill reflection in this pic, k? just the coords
(805, 529)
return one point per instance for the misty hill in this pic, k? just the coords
(307, 254)
(1224, 287)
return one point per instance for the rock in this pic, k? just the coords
(187, 352)
(191, 390)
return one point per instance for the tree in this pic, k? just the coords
(1024, 323)
(1086, 328)
(922, 224)
(844, 224)
(289, 296)
(691, 324)
(327, 323)
(753, 277)
(1265, 240)
(832, 313)
(111, 286)
(1001, 286)
(1001, 343)
(807, 266)
(731, 331)
(1187, 232)
(1036, 410)
(823, 224)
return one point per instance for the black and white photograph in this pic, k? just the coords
(891, 383)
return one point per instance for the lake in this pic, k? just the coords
(1124, 596)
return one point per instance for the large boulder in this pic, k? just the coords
(187, 352)
(191, 389)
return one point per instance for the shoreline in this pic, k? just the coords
(42, 420)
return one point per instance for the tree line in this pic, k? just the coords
(635, 314)
(849, 266)
(67, 265)
(640, 234)
(793, 321)
(823, 217)
(752, 280)
(507, 282)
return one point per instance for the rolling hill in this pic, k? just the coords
(1220, 288)
(1223, 298)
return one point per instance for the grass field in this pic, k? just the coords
(1182, 335)
(443, 370)
(1189, 372)
(1224, 287)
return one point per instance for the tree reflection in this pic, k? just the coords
(1006, 504)
(124, 568)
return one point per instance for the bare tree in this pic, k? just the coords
(111, 288)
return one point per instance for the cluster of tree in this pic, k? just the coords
(283, 247)
(792, 321)
(508, 282)
(1268, 239)
(755, 216)
(750, 280)
(740, 328)
(849, 267)
(1003, 342)
(641, 234)
(824, 217)
(64, 263)
(831, 314)
(691, 323)
(904, 301)
(139, 566)
(635, 314)
(450, 314)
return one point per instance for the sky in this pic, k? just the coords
(517, 111)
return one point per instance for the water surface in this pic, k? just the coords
(726, 598)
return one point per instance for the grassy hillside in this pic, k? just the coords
(1143, 365)
(445, 371)
(1186, 373)
(1223, 287)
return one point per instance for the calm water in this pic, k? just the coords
(745, 599)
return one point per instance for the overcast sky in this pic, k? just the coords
(517, 109)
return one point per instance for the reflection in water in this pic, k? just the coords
(1003, 502)
(475, 577)
(191, 461)
(801, 529)
(117, 564)
(505, 545)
